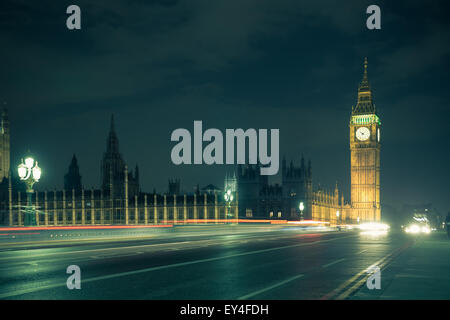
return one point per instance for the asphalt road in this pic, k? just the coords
(232, 262)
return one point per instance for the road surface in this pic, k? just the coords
(232, 262)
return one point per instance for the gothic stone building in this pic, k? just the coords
(115, 172)
(259, 199)
(119, 200)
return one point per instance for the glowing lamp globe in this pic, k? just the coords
(29, 162)
(302, 206)
(22, 170)
(37, 173)
(228, 196)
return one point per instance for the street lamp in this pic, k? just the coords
(228, 199)
(337, 216)
(301, 207)
(357, 219)
(30, 173)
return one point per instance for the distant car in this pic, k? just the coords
(418, 227)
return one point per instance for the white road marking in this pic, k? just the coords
(255, 293)
(416, 276)
(332, 263)
(95, 250)
(127, 247)
(128, 273)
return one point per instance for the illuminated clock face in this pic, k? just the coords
(362, 134)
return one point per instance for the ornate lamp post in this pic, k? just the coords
(30, 173)
(301, 207)
(228, 199)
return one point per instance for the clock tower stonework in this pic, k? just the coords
(365, 127)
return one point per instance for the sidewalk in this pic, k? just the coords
(421, 272)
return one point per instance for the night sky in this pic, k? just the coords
(288, 64)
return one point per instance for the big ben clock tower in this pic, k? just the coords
(365, 155)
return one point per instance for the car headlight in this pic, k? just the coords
(414, 228)
(426, 229)
(374, 226)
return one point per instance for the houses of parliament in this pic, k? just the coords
(120, 200)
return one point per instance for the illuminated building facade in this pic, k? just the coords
(119, 199)
(365, 129)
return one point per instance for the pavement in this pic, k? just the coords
(421, 272)
(231, 262)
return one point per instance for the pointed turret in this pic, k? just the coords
(72, 180)
(303, 172)
(364, 86)
(113, 142)
(4, 126)
(365, 103)
(336, 194)
(309, 169)
(136, 172)
(112, 165)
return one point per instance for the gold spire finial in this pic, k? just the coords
(365, 78)
(364, 85)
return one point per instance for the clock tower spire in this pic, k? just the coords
(365, 155)
(365, 101)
